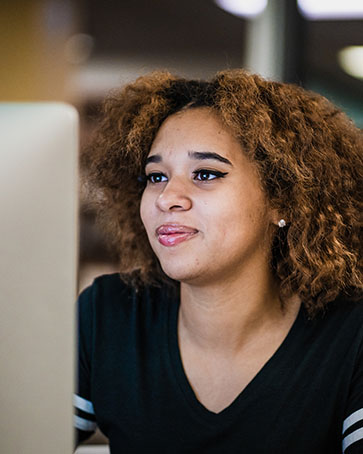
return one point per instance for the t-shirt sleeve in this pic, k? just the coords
(84, 417)
(353, 423)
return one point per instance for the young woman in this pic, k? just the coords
(235, 323)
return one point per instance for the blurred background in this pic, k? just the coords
(78, 50)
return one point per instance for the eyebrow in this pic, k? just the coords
(199, 155)
(154, 158)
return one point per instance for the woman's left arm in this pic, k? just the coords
(353, 422)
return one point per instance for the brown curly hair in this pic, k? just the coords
(307, 152)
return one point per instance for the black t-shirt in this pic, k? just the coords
(308, 398)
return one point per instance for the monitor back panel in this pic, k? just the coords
(38, 259)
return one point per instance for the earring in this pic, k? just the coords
(282, 223)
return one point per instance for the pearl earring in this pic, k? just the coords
(282, 223)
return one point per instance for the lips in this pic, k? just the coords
(173, 234)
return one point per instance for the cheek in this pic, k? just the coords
(145, 211)
(217, 221)
(237, 217)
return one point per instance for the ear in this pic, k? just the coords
(275, 216)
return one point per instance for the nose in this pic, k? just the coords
(174, 197)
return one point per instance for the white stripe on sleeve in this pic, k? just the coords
(352, 438)
(84, 424)
(83, 404)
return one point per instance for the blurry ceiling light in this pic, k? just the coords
(243, 8)
(78, 48)
(331, 9)
(351, 60)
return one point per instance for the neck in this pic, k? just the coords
(224, 317)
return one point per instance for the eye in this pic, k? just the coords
(208, 175)
(156, 177)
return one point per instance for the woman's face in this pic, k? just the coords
(203, 209)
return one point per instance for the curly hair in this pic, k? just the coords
(307, 152)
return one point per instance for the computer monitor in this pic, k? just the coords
(38, 267)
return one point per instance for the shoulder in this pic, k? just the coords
(106, 289)
(341, 324)
(341, 310)
(346, 311)
(109, 296)
(107, 284)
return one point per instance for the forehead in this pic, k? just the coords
(198, 129)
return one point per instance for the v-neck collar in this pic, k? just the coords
(258, 385)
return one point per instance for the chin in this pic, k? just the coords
(188, 275)
(181, 273)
